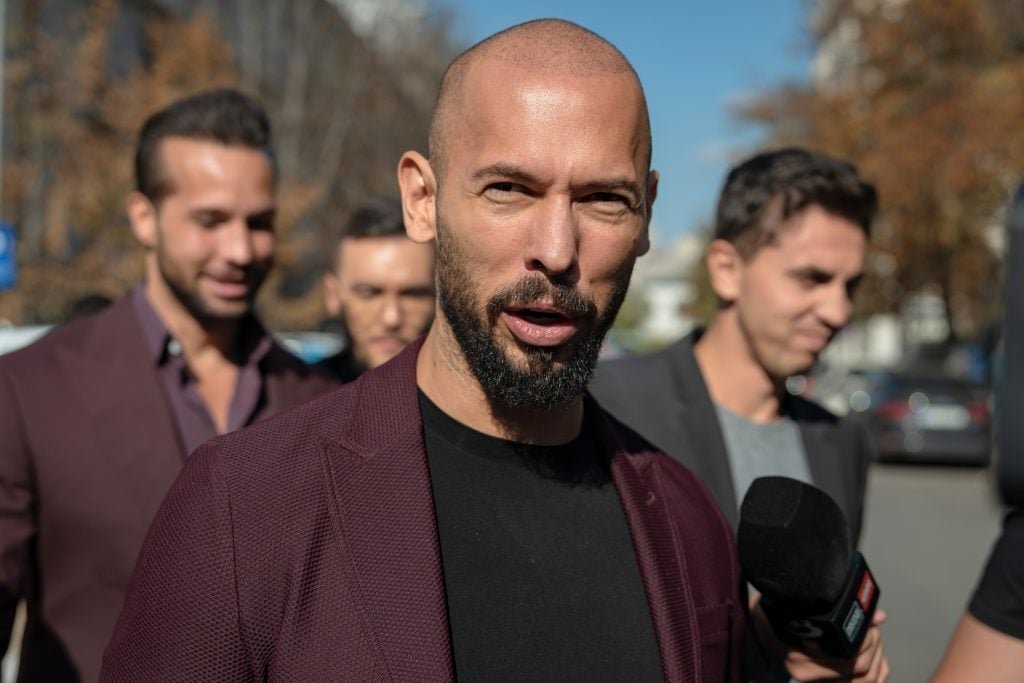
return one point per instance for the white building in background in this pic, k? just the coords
(664, 281)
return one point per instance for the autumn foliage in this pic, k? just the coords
(927, 98)
(79, 85)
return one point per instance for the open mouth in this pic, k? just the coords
(541, 317)
(540, 326)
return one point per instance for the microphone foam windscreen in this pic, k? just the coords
(794, 543)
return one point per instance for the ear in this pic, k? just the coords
(725, 270)
(652, 194)
(419, 196)
(332, 300)
(143, 218)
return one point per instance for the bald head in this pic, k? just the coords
(552, 47)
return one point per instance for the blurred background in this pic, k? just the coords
(925, 96)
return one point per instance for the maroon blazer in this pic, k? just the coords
(88, 448)
(305, 548)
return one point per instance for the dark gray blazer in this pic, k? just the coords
(663, 397)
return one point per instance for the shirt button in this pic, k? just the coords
(651, 498)
(174, 347)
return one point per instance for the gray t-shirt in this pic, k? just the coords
(759, 449)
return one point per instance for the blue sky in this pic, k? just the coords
(694, 59)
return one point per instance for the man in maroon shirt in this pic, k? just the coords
(99, 416)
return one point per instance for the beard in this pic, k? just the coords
(542, 380)
(189, 296)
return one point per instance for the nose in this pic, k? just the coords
(836, 306)
(552, 247)
(236, 243)
(391, 313)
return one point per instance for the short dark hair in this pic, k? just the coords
(377, 217)
(222, 115)
(764, 191)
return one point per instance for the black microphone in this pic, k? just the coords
(1010, 396)
(794, 547)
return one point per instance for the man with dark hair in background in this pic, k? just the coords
(99, 415)
(464, 510)
(380, 288)
(788, 252)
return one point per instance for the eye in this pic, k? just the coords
(419, 293)
(606, 206)
(505, 191)
(607, 198)
(365, 291)
(812, 278)
(208, 220)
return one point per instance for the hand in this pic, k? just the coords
(809, 664)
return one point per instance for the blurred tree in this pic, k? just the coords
(86, 73)
(705, 302)
(926, 97)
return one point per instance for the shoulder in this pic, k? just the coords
(807, 413)
(807, 410)
(78, 335)
(628, 367)
(618, 383)
(677, 481)
(288, 434)
(341, 366)
(293, 374)
(998, 600)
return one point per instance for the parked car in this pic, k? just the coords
(926, 418)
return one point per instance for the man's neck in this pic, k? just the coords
(443, 374)
(734, 378)
(197, 338)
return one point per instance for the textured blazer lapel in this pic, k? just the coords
(822, 457)
(709, 459)
(385, 518)
(662, 567)
(831, 464)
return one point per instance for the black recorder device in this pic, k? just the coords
(795, 548)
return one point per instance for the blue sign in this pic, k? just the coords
(8, 257)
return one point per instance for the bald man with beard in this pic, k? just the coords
(465, 510)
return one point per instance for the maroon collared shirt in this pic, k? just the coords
(192, 420)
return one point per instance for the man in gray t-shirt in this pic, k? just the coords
(788, 252)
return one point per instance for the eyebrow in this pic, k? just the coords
(822, 274)
(517, 174)
(506, 171)
(812, 271)
(270, 212)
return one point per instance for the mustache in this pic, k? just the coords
(528, 289)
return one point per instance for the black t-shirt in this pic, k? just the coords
(998, 600)
(541, 579)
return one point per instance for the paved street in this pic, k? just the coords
(928, 531)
